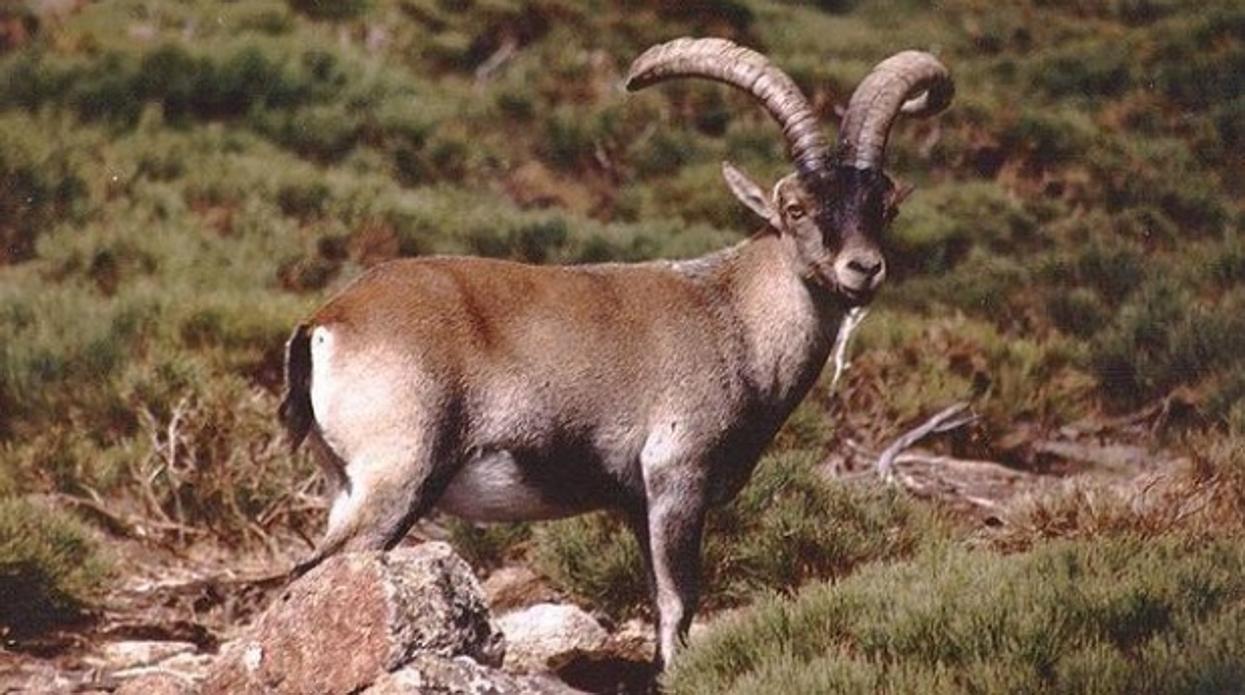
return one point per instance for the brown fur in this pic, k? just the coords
(506, 391)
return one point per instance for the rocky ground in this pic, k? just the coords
(412, 620)
(418, 620)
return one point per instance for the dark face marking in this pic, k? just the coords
(837, 218)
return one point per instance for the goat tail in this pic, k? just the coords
(295, 411)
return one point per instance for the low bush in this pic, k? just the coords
(1077, 311)
(488, 546)
(596, 559)
(1083, 69)
(217, 464)
(1164, 338)
(50, 571)
(40, 184)
(939, 227)
(1108, 616)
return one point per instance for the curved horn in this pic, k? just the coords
(744, 68)
(914, 83)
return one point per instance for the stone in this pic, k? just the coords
(516, 586)
(357, 617)
(134, 653)
(546, 636)
(157, 684)
(437, 675)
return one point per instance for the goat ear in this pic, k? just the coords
(750, 194)
(899, 192)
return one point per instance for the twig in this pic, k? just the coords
(116, 523)
(127, 524)
(850, 323)
(509, 46)
(950, 418)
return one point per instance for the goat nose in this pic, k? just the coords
(867, 267)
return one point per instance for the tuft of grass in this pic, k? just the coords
(488, 546)
(50, 570)
(41, 183)
(1112, 616)
(596, 559)
(1163, 338)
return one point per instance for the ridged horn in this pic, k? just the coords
(913, 83)
(744, 68)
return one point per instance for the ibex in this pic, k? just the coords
(498, 391)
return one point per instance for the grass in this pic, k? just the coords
(1201, 499)
(50, 569)
(1108, 616)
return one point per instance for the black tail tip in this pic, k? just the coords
(295, 411)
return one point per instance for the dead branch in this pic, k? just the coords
(948, 419)
(127, 525)
(117, 524)
(491, 65)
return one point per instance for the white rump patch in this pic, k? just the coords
(321, 380)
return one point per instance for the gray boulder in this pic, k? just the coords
(438, 675)
(546, 636)
(357, 617)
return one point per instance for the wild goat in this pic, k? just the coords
(498, 391)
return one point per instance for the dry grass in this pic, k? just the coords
(1202, 497)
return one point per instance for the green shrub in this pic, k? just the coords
(40, 185)
(595, 558)
(488, 546)
(1163, 338)
(331, 9)
(1115, 270)
(58, 348)
(1083, 69)
(50, 571)
(1117, 616)
(1227, 266)
(788, 526)
(1050, 136)
(1147, 224)
(1077, 311)
(938, 228)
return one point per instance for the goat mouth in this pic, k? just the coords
(855, 297)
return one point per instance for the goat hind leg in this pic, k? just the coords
(385, 493)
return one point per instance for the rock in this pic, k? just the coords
(157, 684)
(131, 654)
(516, 586)
(356, 617)
(548, 635)
(180, 673)
(429, 674)
(635, 638)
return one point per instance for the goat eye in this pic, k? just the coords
(794, 211)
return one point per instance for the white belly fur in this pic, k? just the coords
(491, 488)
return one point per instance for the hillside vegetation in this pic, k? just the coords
(181, 181)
